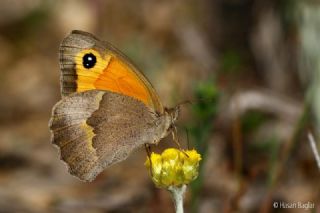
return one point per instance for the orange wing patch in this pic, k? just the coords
(117, 77)
(87, 77)
(112, 74)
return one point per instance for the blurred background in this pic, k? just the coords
(257, 63)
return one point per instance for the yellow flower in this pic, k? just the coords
(173, 167)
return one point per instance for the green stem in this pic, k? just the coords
(177, 196)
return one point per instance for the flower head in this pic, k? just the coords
(173, 167)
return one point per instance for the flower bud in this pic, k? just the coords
(173, 167)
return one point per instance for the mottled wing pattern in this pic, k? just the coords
(73, 135)
(95, 129)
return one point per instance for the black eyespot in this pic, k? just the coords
(89, 60)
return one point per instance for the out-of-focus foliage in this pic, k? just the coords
(203, 113)
(252, 120)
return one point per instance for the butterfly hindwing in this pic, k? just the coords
(95, 129)
(73, 135)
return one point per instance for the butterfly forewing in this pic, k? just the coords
(111, 70)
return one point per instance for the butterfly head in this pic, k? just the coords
(173, 114)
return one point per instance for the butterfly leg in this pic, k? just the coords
(188, 142)
(176, 139)
(148, 150)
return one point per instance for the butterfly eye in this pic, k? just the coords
(89, 60)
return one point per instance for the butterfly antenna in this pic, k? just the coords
(196, 101)
(185, 102)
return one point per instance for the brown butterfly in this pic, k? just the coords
(108, 107)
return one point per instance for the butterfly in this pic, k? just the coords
(108, 107)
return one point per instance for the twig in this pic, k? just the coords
(314, 148)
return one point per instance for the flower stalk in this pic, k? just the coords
(177, 194)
